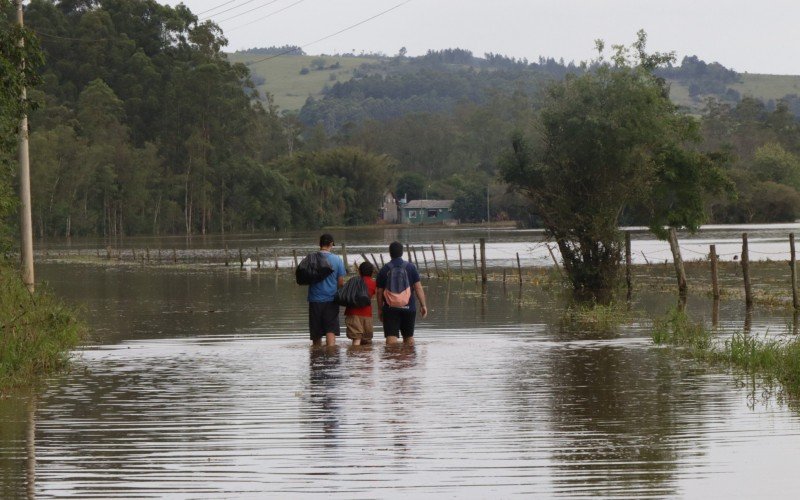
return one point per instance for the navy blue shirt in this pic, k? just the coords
(413, 278)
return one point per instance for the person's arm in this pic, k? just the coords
(342, 272)
(379, 296)
(340, 282)
(420, 293)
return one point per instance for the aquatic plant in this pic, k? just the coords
(775, 359)
(36, 332)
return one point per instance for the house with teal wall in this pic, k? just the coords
(427, 212)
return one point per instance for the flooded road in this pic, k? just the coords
(201, 383)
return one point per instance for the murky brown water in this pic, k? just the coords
(200, 383)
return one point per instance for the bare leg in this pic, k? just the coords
(391, 339)
(356, 341)
(330, 339)
(408, 340)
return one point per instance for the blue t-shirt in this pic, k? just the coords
(325, 290)
(413, 277)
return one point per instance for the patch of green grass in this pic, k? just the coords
(596, 316)
(289, 88)
(776, 359)
(36, 332)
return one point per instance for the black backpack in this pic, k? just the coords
(312, 269)
(354, 293)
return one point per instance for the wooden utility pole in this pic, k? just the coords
(26, 226)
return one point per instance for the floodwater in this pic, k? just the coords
(199, 383)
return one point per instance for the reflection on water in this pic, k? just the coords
(203, 385)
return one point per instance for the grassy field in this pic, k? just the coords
(764, 87)
(291, 89)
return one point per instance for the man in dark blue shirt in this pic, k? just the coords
(399, 318)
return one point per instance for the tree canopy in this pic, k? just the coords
(607, 140)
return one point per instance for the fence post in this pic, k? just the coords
(714, 272)
(748, 294)
(628, 280)
(374, 260)
(344, 257)
(460, 262)
(294, 256)
(174, 256)
(275, 254)
(483, 260)
(241, 258)
(677, 261)
(435, 263)
(446, 261)
(475, 260)
(416, 260)
(793, 266)
(258, 259)
(425, 260)
(519, 270)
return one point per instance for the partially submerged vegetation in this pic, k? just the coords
(775, 358)
(36, 332)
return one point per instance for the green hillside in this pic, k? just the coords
(281, 76)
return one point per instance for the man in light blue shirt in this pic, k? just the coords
(323, 313)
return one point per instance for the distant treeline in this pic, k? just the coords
(145, 127)
(273, 50)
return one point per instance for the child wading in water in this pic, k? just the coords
(359, 319)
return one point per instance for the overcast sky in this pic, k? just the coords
(748, 36)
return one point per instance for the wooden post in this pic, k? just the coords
(446, 260)
(241, 258)
(174, 256)
(483, 260)
(108, 253)
(147, 253)
(227, 258)
(504, 275)
(158, 255)
(435, 263)
(425, 260)
(294, 256)
(553, 256)
(748, 292)
(375, 261)
(258, 259)
(275, 254)
(344, 257)
(519, 269)
(408, 253)
(628, 259)
(475, 261)
(460, 262)
(793, 267)
(382, 262)
(677, 261)
(714, 272)
(133, 254)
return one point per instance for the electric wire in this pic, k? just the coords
(246, 12)
(229, 9)
(329, 36)
(264, 17)
(215, 8)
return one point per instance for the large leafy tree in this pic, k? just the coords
(606, 140)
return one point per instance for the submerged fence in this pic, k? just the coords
(468, 261)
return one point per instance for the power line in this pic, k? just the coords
(215, 8)
(228, 10)
(68, 38)
(247, 11)
(331, 35)
(262, 18)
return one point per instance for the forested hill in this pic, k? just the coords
(145, 125)
(378, 86)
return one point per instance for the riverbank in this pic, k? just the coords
(37, 332)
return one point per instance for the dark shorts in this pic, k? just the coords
(396, 321)
(323, 317)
